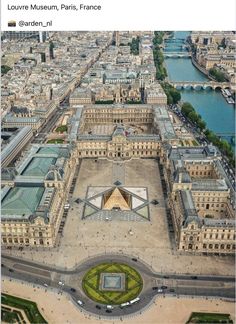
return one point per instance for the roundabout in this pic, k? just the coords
(112, 283)
(116, 286)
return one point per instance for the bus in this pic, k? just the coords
(124, 305)
(135, 300)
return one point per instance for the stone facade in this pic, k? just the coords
(23, 224)
(200, 199)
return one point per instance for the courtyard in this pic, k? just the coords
(147, 240)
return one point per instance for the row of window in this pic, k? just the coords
(211, 236)
(212, 246)
(205, 173)
(206, 167)
(22, 241)
(207, 206)
(15, 240)
(220, 236)
(219, 246)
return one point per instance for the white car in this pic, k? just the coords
(80, 303)
(160, 290)
(45, 285)
(110, 307)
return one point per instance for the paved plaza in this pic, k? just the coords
(147, 240)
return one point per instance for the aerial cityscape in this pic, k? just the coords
(118, 177)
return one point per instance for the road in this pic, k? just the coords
(47, 127)
(37, 274)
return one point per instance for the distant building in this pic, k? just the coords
(11, 121)
(16, 144)
(122, 143)
(15, 35)
(81, 96)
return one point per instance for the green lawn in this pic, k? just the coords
(30, 308)
(55, 141)
(133, 284)
(9, 316)
(210, 318)
(61, 129)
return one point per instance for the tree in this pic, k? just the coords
(176, 96)
(217, 75)
(201, 124)
(5, 69)
(187, 108)
(193, 116)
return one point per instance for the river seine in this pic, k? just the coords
(211, 105)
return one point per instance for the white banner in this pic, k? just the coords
(68, 15)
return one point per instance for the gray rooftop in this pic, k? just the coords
(210, 185)
(16, 140)
(211, 222)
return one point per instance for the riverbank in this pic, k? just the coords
(210, 104)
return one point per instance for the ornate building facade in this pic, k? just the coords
(33, 198)
(200, 200)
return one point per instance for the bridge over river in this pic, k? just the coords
(200, 84)
(177, 54)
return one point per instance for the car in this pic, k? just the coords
(110, 307)
(166, 277)
(134, 259)
(193, 277)
(80, 303)
(160, 290)
(154, 288)
(108, 311)
(61, 283)
(45, 285)
(10, 270)
(98, 307)
(73, 289)
(164, 287)
(172, 290)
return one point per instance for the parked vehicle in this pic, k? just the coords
(193, 277)
(164, 287)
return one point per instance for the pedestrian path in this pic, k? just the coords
(118, 172)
